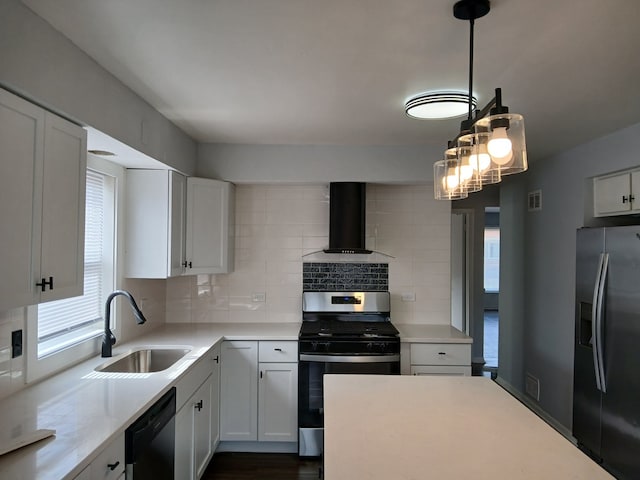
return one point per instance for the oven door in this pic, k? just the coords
(311, 370)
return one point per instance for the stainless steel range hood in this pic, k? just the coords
(347, 218)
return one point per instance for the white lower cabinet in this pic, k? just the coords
(440, 359)
(108, 465)
(277, 402)
(259, 391)
(197, 418)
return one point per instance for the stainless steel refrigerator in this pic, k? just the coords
(606, 399)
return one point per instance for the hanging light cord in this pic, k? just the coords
(471, 25)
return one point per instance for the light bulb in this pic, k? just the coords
(451, 181)
(480, 161)
(500, 146)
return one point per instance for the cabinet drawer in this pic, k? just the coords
(440, 354)
(440, 370)
(109, 465)
(276, 351)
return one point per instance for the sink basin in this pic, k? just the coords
(146, 360)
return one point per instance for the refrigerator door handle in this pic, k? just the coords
(599, 320)
(595, 337)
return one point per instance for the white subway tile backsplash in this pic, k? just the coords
(277, 224)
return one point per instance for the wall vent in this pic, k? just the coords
(532, 387)
(535, 200)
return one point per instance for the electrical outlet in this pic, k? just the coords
(408, 297)
(258, 297)
(16, 343)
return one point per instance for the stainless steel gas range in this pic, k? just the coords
(341, 333)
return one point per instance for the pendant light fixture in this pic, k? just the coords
(491, 142)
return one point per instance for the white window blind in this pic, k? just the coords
(65, 322)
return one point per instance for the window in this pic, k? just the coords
(491, 259)
(70, 329)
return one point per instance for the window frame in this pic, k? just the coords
(38, 368)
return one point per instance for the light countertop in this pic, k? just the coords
(413, 427)
(412, 333)
(90, 409)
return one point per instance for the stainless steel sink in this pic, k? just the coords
(145, 360)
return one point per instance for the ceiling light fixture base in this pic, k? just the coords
(471, 9)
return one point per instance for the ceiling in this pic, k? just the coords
(337, 72)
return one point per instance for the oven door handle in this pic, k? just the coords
(349, 358)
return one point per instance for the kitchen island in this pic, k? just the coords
(411, 427)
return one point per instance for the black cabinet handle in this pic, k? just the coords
(186, 264)
(624, 199)
(442, 353)
(113, 466)
(260, 373)
(217, 359)
(278, 349)
(44, 284)
(198, 406)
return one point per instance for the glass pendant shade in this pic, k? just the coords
(479, 157)
(506, 142)
(446, 181)
(470, 180)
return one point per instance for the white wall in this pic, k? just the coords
(43, 65)
(277, 224)
(543, 266)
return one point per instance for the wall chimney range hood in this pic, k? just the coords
(347, 218)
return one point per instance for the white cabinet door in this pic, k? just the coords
(184, 444)
(202, 406)
(42, 213)
(611, 194)
(239, 390)
(21, 146)
(278, 400)
(155, 223)
(215, 399)
(210, 226)
(177, 223)
(63, 205)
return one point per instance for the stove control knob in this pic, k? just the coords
(369, 346)
(314, 346)
(383, 346)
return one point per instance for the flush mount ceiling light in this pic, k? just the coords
(491, 141)
(438, 105)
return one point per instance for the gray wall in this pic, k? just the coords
(41, 64)
(317, 163)
(537, 283)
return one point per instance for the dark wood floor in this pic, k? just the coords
(262, 466)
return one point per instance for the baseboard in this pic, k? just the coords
(258, 447)
(535, 408)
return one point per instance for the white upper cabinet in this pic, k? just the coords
(177, 225)
(617, 194)
(155, 225)
(210, 226)
(43, 182)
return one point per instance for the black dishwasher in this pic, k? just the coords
(150, 441)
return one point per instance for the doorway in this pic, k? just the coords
(491, 287)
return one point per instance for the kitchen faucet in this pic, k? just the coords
(109, 338)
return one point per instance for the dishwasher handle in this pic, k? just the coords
(142, 432)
